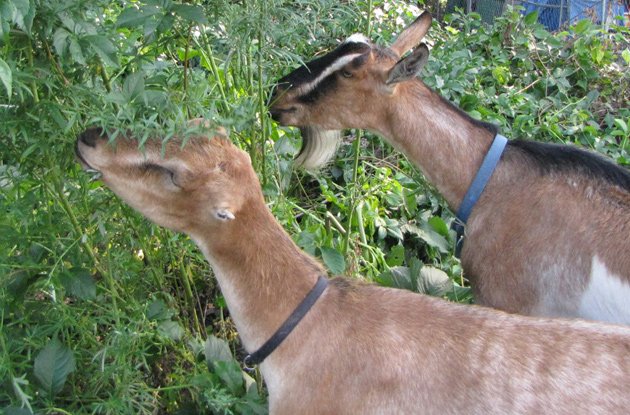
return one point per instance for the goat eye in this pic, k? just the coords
(346, 74)
(172, 176)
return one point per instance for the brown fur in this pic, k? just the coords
(361, 349)
(532, 238)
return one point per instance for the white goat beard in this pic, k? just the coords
(318, 147)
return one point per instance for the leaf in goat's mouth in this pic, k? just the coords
(95, 174)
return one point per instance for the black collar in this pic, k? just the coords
(287, 327)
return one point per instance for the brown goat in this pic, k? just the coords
(361, 349)
(549, 234)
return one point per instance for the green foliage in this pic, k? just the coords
(87, 284)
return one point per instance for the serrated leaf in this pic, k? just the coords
(231, 375)
(434, 281)
(429, 236)
(133, 86)
(190, 12)
(60, 41)
(158, 311)
(52, 366)
(22, 8)
(171, 329)
(78, 283)
(104, 48)
(76, 52)
(335, 262)
(6, 76)
(133, 17)
(396, 256)
(216, 350)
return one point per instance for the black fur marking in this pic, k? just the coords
(550, 158)
(311, 70)
(325, 85)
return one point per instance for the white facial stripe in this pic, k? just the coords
(357, 38)
(335, 66)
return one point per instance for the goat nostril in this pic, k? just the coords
(90, 136)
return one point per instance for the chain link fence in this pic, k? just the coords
(553, 14)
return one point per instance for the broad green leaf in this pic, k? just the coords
(333, 260)
(6, 76)
(429, 236)
(626, 56)
(531, 18)
(60, 41)
(434, 281)
(171, 329)
(133, 86)
(104, 48)
(193, 13)
(396, 256)
(158, 311)
(76, 52)
(231, 375)
(52, 366)
(438, 224)
(78, 283)
(133, 17)
(216, 350)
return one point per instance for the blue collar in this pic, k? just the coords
(476, 188)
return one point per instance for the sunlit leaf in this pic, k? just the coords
(333, 260)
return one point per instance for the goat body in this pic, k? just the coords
(549, 235)
(361, 349)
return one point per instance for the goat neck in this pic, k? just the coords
(262, 274)
(432, 123)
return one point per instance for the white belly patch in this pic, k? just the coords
(607, 297)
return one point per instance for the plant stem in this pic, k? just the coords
(353, 191)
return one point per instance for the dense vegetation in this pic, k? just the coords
(101, 312)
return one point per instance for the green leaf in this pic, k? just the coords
(52, 366)
(231, 375)
(626, 56)
(104, 48)
(396, 256)
(171, 329)
(216, 350)
(582, 26)
(429, 236)
(133, 86)
(193, 13)
(76, 52)
(78, 283)
(6, 76)
(133, 17)
(531, 18)
(434, 281)
(60, 41)
(438, 224)
(333, 260)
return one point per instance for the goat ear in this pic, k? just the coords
(224, 215)
(412, 34)
(410, 66)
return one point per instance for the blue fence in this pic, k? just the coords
(553, 14)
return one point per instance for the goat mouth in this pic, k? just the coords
(96, 174)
